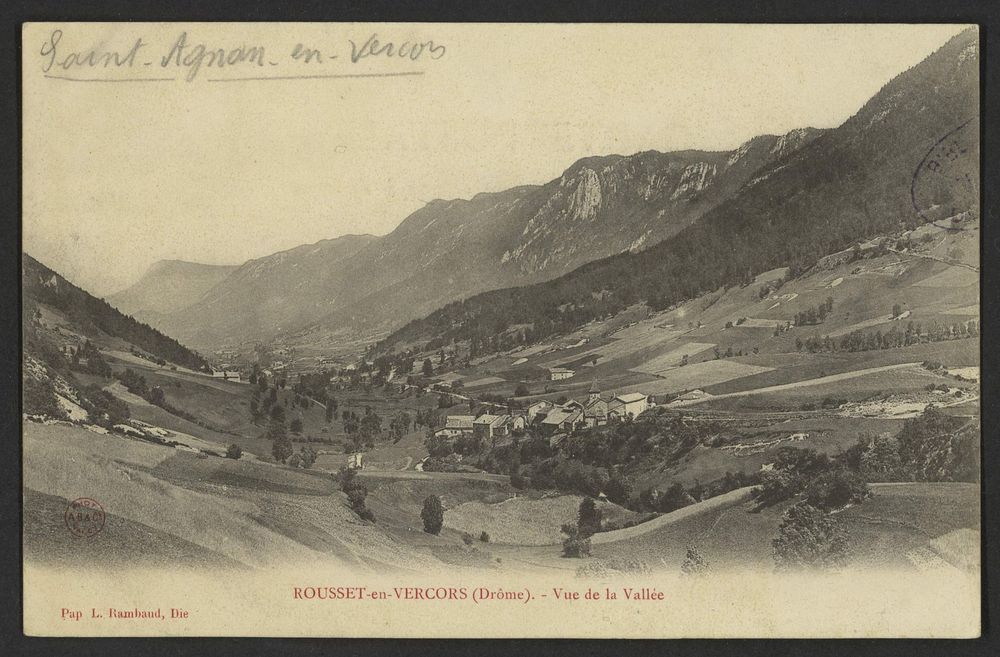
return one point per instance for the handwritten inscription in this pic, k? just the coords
(190, 57)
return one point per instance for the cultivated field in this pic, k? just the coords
(696, 376)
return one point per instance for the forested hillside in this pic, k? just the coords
(91, 315)
(847, 185)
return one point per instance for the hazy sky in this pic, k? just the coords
(120, 175)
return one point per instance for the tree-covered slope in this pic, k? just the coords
(91, 315)
(846, 185)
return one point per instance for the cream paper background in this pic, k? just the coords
(743, 604)
(259, 602)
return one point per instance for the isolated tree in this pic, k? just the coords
(694, 563)
(897, 310)
(296, 425)
(234, 451)
(428, 368)
(432, 514)
(588, 518)
(282, 449)
(331, 410)
(309, 455)
(278, 413)
(156, 396)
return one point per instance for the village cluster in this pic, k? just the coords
(549, 418)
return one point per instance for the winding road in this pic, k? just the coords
(831, 378)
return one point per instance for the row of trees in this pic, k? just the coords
(814, 315)
(893, 338)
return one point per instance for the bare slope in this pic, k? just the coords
(167, 286)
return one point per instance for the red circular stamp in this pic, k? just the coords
(84, 517)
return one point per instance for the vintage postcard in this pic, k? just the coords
(501, 330)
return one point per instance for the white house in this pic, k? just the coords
(559, 373)
(632, 403)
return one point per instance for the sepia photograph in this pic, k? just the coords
(501, 330)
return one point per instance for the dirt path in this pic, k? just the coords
(726, 499)
(927, 256)
(424, 474)
(194, 377)
(832, 378)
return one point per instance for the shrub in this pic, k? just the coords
(467, 538)
(694, 563)
(809, 538)
(366, 514)
(432, 514)
(776, 486)
(836, 489)
(346, 476)
(484, 537)
(308, 456)
(234, 451)
(356, 497)
(518, 481)
(103, 408)
(575, 546)
(880, 459)
(39, 398)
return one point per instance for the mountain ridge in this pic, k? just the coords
(168, 285)
(599, 207)
(449, 249)
(846, 184)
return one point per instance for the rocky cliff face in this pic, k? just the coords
(702, 220)
(452, 249)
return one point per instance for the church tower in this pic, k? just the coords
(594, 394)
